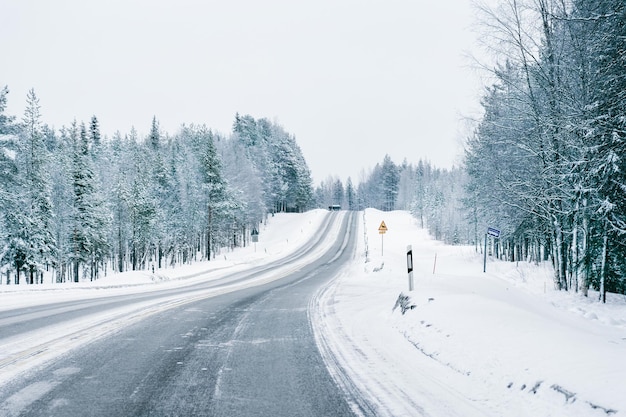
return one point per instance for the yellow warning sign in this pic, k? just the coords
(382, 228)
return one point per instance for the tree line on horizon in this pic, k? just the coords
(78, 206)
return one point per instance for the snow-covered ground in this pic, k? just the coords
(501, 343)
(281, 234)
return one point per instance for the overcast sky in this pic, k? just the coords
(353, 80)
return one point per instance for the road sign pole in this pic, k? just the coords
(485, 250)
(382, 229)
(490, 232)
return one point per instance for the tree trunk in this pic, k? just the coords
(208, 233)
(575, 248)
(585, 277)
(603, 268)
(560, 261)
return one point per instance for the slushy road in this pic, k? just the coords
(200, 351)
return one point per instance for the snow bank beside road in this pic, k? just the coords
(282, 234)
(476, 344)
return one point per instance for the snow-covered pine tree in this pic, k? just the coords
(94, 133)
(8, 169)
(34, 240)
(276, 155)
(214, 189)
(62, 201)
(607, 149)
(90, 216)
(351, 195)
(12, 233)
(142, 204)
(390, 181)
(338, 193)
(161, 189)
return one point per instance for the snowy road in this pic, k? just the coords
(270, 332)
(225, 347)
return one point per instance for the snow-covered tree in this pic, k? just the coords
(34, 240)
(89, 215)
(351, 198)
(550, 145)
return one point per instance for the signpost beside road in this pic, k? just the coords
(382, 229)
(495, 233)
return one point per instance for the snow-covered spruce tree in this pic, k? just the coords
(31, 241)
(161, 189)
(214, 195)
(406, 186)
(192, 220)
(141, 204)
(304, 183)
(90, 218)
(338, 193)
(275, 153)
(62, 201)
(417, 203)
(10, 252)
(94, 134)
(117, 190)
(380, 189)
(8, 169)
(390, 181)
(605, 152)
(351, 199)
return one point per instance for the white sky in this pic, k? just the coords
(353, 80)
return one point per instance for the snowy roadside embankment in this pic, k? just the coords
(282, 234)
(501, 343)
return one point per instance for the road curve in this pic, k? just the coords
(245, 352)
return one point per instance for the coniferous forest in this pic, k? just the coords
(79, 206)
(545, 165)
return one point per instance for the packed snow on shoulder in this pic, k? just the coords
(280, 235)
(464, 342)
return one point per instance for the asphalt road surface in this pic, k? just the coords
(244, 352)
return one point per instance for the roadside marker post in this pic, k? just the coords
(255, 237)
(409, 265)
